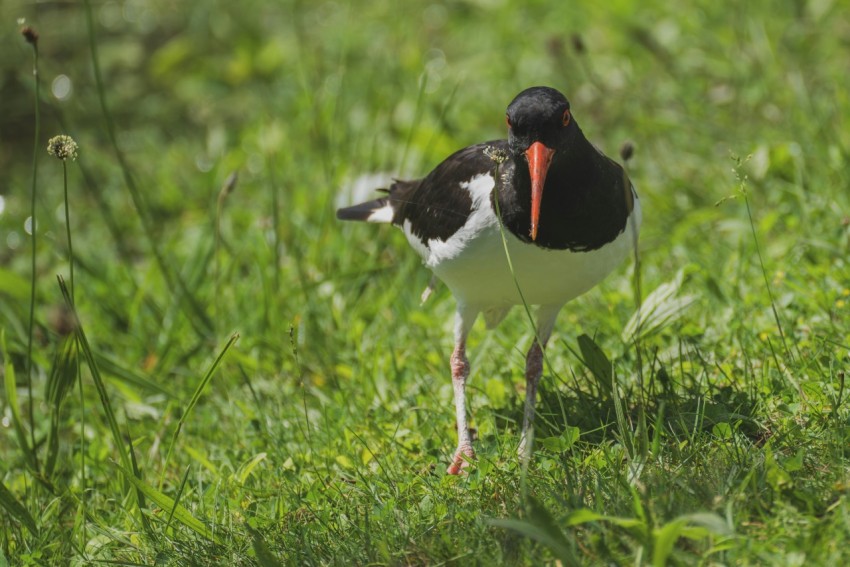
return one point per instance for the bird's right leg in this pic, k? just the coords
(546, 316)
(460, 372)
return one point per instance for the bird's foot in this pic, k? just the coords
(462, 459)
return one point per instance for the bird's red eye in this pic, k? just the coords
(566, 118)
(508, 120)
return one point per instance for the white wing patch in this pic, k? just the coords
(384, 214)
(481, 216)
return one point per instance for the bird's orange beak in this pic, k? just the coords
(539, 157)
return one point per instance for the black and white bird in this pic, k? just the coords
(568, 213)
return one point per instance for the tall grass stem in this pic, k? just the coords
(33, 267)
(68, 229)
(199, 318)
(766, 280)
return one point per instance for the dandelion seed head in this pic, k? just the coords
(62, 147)
(497, 155)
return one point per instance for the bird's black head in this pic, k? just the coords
(539, 114)
(540, 126)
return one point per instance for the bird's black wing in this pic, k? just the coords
(439, 205)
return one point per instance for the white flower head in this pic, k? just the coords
(62, 147)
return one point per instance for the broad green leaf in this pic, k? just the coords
(583, 516)
(692, 526)
(795, 463)
(665, 539)
(562, 442)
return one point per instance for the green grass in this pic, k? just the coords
(322, 435)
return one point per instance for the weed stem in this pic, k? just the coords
(33, 232)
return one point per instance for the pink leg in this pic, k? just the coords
(533, 370)
(460, 372)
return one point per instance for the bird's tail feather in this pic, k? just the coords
(378, 210)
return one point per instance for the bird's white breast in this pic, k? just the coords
(474, 265)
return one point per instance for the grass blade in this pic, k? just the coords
(140, 497)
(62, 377)
(197, 396)
(16, 509)
(661, 308)
(165, 502)
(527, 529)
(541, 528)
(96, 377)
(12, 400)
(261, 550)
(594, 358)
(177, 499)
(245, 470)
(199, 318)
(692, 526)
(113, 366)
(32, 39)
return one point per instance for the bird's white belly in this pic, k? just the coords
(481, 275)
(474, 265)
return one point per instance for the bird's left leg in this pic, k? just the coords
(546, 316)
(460, 372)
